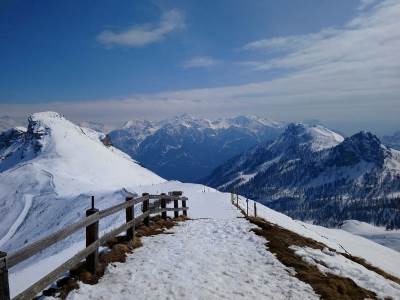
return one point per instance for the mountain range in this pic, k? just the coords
(186, 148)
(314, 174)
(50, 170)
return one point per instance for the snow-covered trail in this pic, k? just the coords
(215, 258)
(28, 204)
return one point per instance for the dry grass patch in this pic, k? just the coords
(328, 286)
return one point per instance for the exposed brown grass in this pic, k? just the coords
(303, 241)
(118, 249)
(328, 286)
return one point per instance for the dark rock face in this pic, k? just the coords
(10, 136)
(363, 146)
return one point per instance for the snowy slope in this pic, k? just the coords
(380, 235)
(51, 170)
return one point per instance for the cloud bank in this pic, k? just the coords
(142, 35)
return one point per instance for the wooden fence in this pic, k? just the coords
(93, 241)
(235, 202)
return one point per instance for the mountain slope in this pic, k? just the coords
(50, 171)
(299, 141)
(310, 176)
(188, 148)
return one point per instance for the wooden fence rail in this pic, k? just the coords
(93, 241)
(237, 205)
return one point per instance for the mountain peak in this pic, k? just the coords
(46, 115)
(62, 148)
(362, 146)
(315, 137)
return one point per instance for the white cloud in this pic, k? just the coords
(141, 35)
(369, 43)
(364, 4)
(201, 62)
(291, 42)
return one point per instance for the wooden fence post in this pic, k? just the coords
(184, 205)
(4, 286)
(176, 202)
(247, 206)
(163, 204)
(176, 206)
(145, 208)
(92, 235)
(255, 209)
(129, 217)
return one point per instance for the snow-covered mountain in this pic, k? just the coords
(50, 170)
(392, 141)
(188, 148)
(312, 173)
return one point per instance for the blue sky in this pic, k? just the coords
(108, 60)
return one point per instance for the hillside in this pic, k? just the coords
(313, 174)
(186, 148)
(48, 173)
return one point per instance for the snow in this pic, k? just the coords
(18, 221)
(387, 238)
(344, 242)
(330, 262)
(246, 177)
(213, 258)
(47, 179)
(323, 138)
(200, 251)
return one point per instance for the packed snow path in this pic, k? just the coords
(216, 258)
